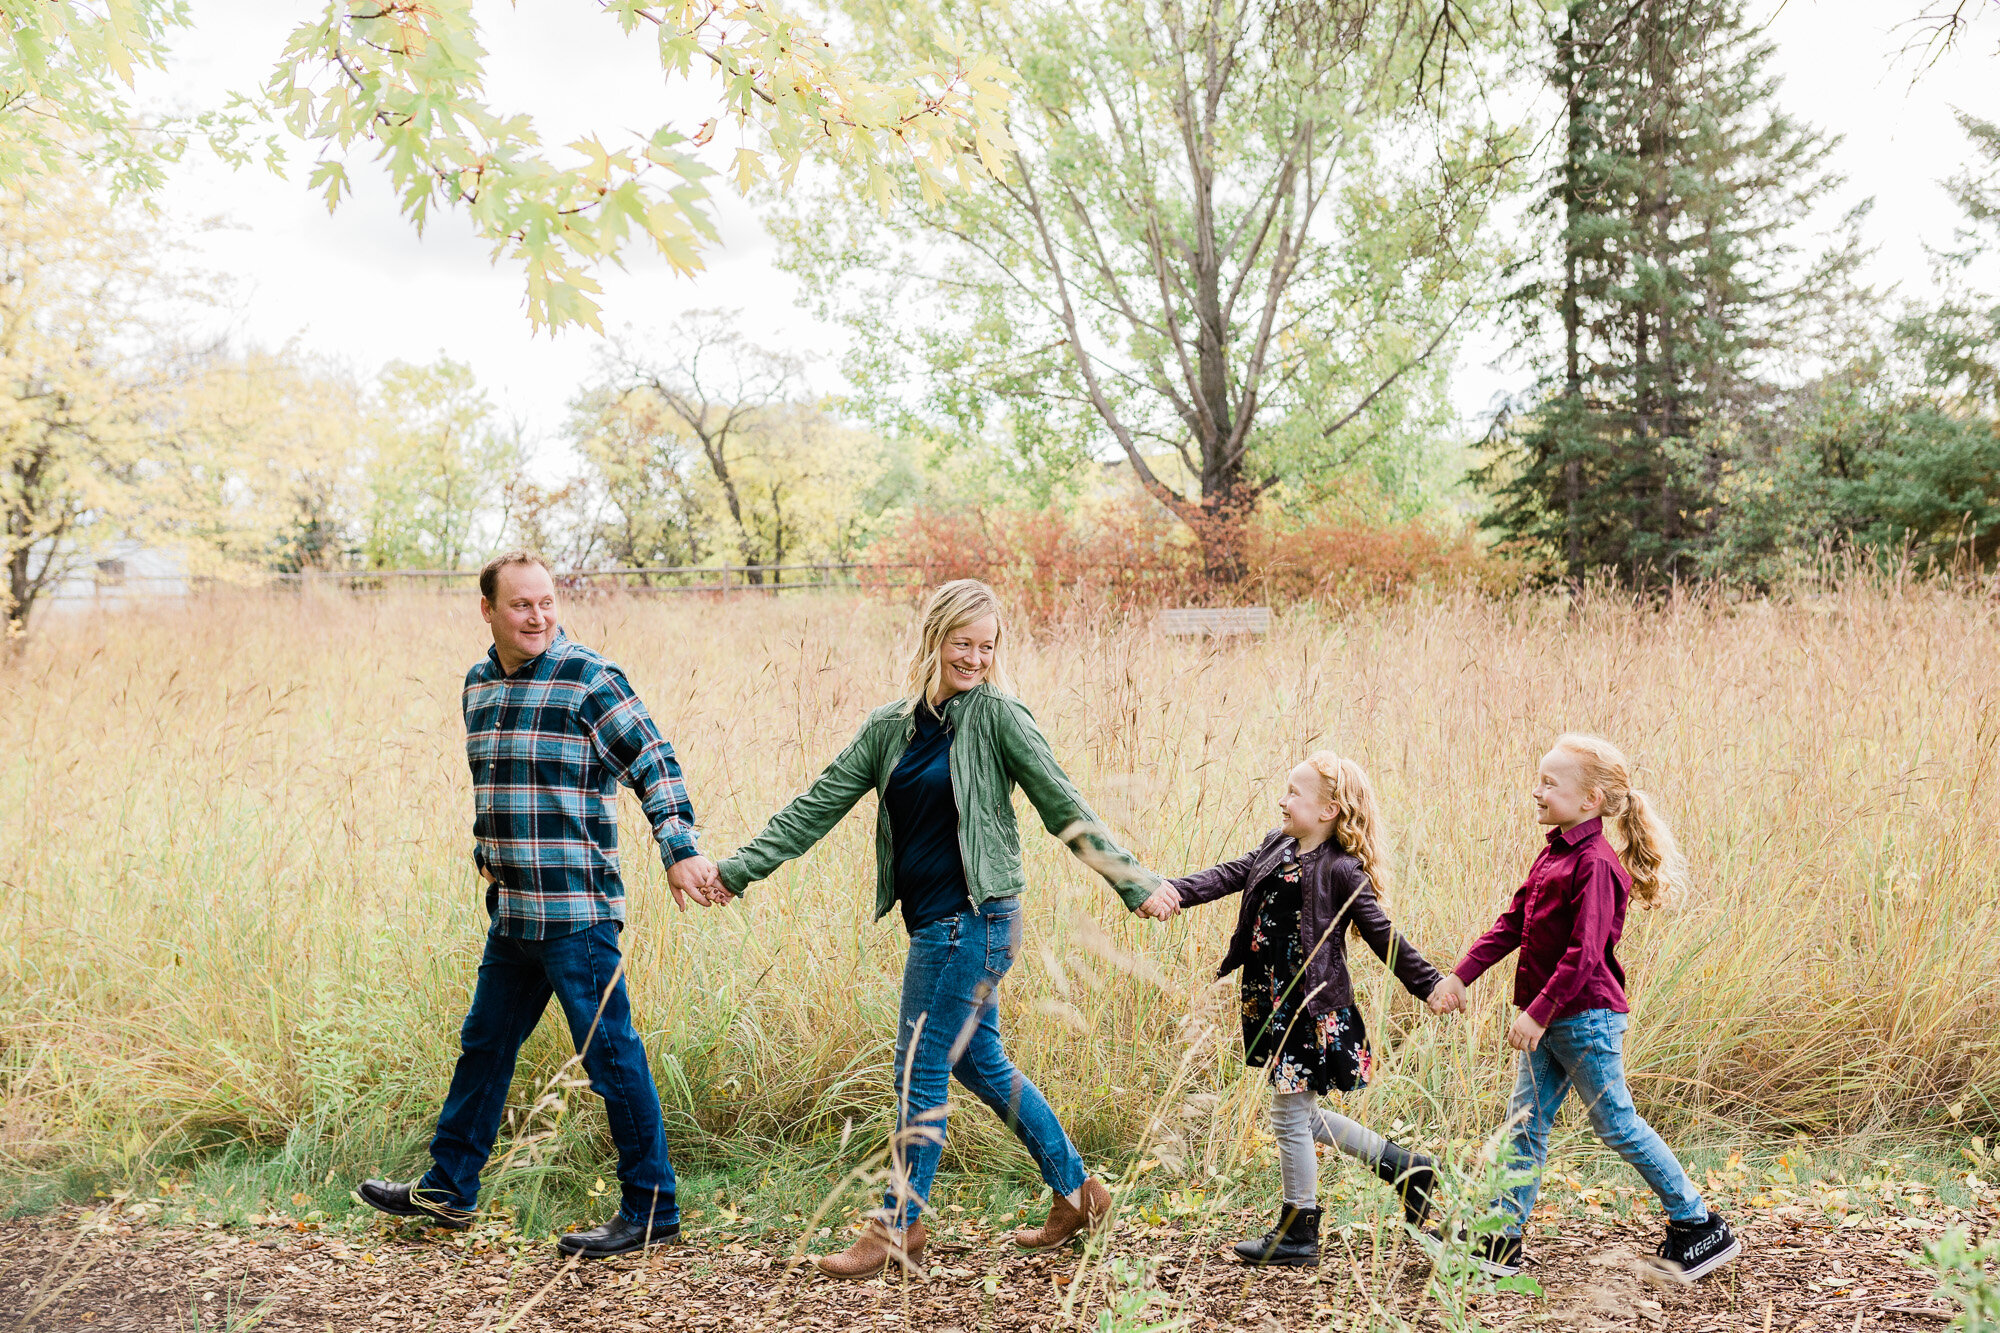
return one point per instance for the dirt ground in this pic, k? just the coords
(79, 1272)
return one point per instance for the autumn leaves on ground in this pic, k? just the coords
(242, 923)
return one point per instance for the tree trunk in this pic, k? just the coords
(1576, 146)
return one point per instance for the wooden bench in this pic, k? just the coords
(1214, 620)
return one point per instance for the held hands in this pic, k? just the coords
(695, 877)
(692, 877)
(1448, 996)
(1162, 905)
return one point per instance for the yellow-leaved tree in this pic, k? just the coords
(65, 69)
(117, 429)
(268, 451)
(76, 392)
(705, 443)
(437, 464)
(404, 79)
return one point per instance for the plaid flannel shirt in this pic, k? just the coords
(548, 746)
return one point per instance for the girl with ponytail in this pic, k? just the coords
(1320, 871)
(1566, 921)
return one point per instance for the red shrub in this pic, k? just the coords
(1135, 557)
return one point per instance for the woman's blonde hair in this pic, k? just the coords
(1650, 854)
(1357, 825)
(957, 603)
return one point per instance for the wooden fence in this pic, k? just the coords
(768, 580)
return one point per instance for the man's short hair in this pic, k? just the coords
(489, 575)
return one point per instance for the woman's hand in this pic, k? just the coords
(1526, 1033)
(1162, 905)
(1448, 996)
(695, 877)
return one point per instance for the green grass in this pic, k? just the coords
(774, 1199)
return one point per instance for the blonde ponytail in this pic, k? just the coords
(1358, 827)
(1650, 853)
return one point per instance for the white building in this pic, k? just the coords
(122, 572)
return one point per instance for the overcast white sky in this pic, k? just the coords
(362, 286)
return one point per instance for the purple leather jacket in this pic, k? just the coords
(1335, 894)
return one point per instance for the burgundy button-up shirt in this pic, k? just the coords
(1566, 921)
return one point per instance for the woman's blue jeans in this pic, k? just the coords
(950, 1027)
(516, 979)
(1587, 1051)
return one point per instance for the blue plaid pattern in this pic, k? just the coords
(548, 746)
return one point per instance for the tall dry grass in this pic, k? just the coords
(239, 907)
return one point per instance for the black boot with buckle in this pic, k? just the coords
(1413, 1176)
(1292, 1243)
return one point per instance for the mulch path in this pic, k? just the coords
(81, 1273)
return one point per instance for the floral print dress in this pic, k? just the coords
(1305, 1053)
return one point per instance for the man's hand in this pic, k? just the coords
(695, 877)
(1162, 905)
(1526, 1033)
(488, 875)
(1448, 996)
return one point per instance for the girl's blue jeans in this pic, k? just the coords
(950, 1028)
(1586, 1051)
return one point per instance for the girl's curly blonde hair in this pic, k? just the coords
(1357, 823)
(1651, 855)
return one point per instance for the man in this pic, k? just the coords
(550, 729)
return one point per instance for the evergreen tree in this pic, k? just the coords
(1668, 273)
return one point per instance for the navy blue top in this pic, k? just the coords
(923, 825)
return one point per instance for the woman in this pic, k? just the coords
(943, 762)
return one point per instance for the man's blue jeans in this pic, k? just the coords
(516, 979)
(950, 1026)
(1587, 1051)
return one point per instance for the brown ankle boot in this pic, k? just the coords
(874, 1251)
(1067, 1222)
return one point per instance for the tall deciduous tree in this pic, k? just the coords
(267, 450)
(437, 464)
(65, 68)
(707, 445)
(1669, 277)
(746, 411)
(645, 470)
(1231, 234)
(75, 393)
(405, 79)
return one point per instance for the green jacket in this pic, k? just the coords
(995, 745)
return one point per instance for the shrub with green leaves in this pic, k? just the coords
(1968, 1275)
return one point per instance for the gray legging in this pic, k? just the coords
(1297, 1119)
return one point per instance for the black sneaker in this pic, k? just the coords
(403, 1200)
(1693, 1250)
(1496, 1254)
(1292, 1243)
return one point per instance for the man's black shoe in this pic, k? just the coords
(1413, 1176)
(1693, 1250)
(1292, 1243)
(402, 1200)
(618, 1236)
